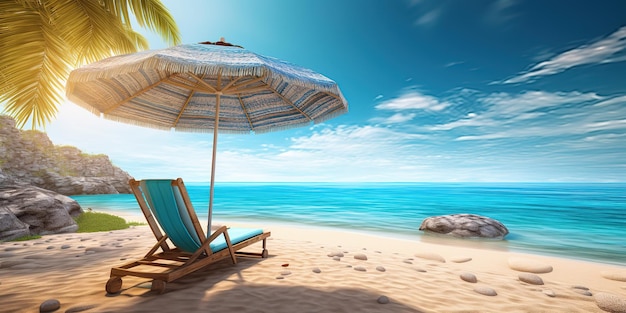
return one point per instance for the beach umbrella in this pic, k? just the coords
(205, 87)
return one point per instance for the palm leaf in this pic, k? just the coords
(42, 41)
(94, 33)
(35, 64)
(148, 13)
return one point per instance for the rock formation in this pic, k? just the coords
(30, 158)
(28, 210)
(465, 226)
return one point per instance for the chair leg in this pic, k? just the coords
(158, 286)
(114, 285)
(265, 253)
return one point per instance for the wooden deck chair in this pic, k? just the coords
(166, 206)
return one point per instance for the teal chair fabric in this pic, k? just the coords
(166, 204)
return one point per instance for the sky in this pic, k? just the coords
(438, 91)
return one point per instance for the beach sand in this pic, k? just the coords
(308, 270)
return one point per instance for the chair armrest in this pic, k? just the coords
(218, 232)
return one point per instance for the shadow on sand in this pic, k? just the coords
(198, 292)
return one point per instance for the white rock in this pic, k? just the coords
(469, 277)
(529, 265)
(486, 291)
(610, 302)
(614, 275)
(360, 256)
(530, 279)
(430, 256)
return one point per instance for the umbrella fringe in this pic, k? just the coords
(134, 122)
(84, 105)
(210, 130)
(330, 115)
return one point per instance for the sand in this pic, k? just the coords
(308, 270)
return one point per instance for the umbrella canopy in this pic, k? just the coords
(205, 87)
(178, 88)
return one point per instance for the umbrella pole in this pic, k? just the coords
(217, 122)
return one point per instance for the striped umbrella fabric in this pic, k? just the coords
(177, 88)
(205, 87)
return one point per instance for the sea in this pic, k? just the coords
(585, 221)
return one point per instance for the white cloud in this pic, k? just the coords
(371, 153)
(505, 105)
(500, 12)
(612, 101)
(454, 63)
(355, 153)
(413, 100)
(399, 118)
(605, 50)
(428, 18)
(504, 108)
(540, 114)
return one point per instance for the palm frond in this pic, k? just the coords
(36, 63)
(148, 13)
(42, 41)
(95, 33)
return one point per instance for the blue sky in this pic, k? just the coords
(470, 91)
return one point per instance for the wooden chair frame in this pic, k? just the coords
(176, 262)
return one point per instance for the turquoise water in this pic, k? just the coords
(582, 221)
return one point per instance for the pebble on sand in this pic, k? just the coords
(530, 279)
(383, 300)
(360, 269)
(317, 270)
(583, 292)
(469, 277)
(549, 293)
(610, 302)
(336, 254)
(486, 291)
(285, 273)
(430, 256)
(380, 268)
(460, 260)
(49, 305)
(529, 265)
(360, 256)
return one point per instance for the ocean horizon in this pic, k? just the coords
(585, 221)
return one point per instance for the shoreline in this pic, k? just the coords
(310, 269)
(421, 237)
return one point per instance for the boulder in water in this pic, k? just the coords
(465, 226)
